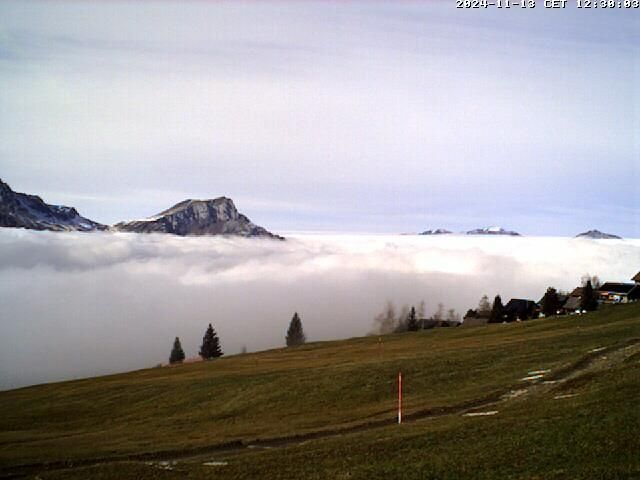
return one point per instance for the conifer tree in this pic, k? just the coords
(210, 347)
(497, 312)
(412, 321)
(295, 333)
(550, 303)
(588, 300)
(177, 354)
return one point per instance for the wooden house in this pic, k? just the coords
(612, 292)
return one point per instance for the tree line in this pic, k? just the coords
(211, 349)
(410, 318)
(550, 304)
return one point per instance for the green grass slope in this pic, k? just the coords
(328, 385)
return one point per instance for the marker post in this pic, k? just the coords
(399, 397)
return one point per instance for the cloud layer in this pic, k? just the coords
(77, 305)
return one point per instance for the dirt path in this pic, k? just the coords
(533, 383)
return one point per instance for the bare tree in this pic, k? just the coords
(452, 316)
(484, 307)
(403, 319)
(595, 281)
(385, 322)
(439, 315)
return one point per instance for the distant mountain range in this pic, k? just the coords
(597, 234)
(218, 216)
(492, 231)
(439, 231)
(477, 231)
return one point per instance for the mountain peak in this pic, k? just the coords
(597, 234)
(492, 231)
(439, 231)
(21, 210)
(216, 216)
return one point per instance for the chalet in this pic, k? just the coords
(562, 300)
(475, 318)
(636, 278)
(519, 308)
(612, 292)
(572, 304)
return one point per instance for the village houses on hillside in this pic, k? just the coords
(517, 308)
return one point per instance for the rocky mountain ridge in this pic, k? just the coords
(492, 231)
(218, 216)
(598, 235)
(439, 231)
(20, 210)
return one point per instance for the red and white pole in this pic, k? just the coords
(399, 397)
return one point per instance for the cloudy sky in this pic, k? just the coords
(351, 116)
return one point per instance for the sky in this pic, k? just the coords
(333, 116)
(82, 304)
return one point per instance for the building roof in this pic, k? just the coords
(520, 305)
(562, 297)
(620, 288)
(573, 303)
(477, 314)
(577, 292)
(636, 278)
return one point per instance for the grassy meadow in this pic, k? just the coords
(590, 431)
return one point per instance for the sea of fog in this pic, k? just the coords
(81, 304)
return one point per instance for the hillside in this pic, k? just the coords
(189, 413)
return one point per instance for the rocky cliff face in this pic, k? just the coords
(597, 234)
(218, 216)
(29, 211)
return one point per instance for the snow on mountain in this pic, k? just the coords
(217, 216)
(20, 210)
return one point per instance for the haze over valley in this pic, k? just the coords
(80, 304)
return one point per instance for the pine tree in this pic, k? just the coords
(497, 312)
(210, 345)
(177, 354)
(412, 321)
(550, 303)
(295, 334)
(589, 300)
